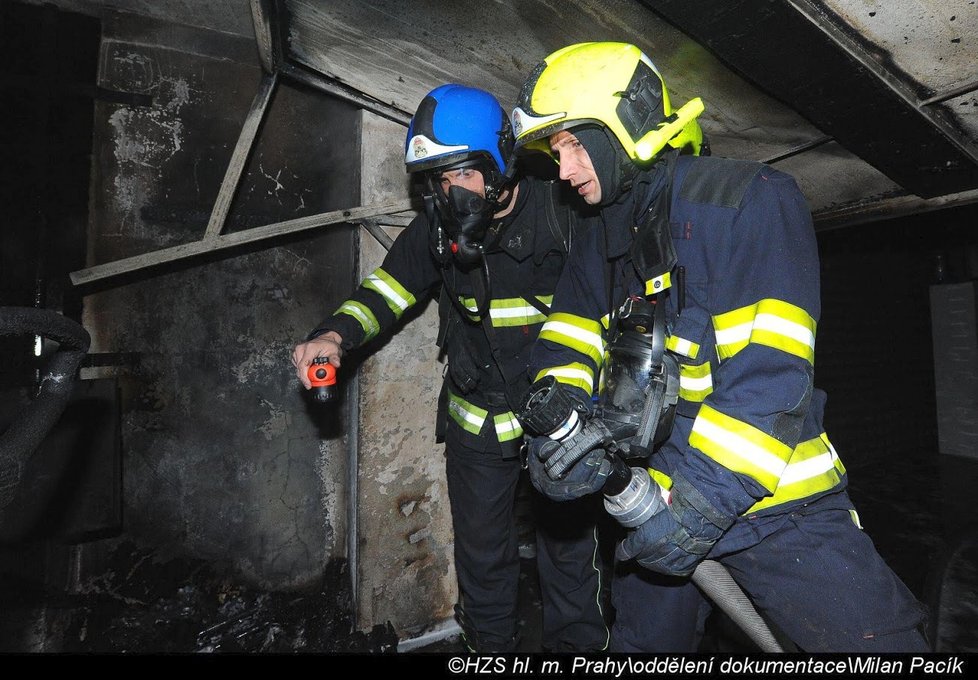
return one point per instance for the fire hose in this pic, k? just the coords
(633, 498)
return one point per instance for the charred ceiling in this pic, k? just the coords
(845, 84)
(870, 105)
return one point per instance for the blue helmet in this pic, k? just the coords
(458, 126)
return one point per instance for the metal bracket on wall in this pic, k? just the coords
(188, 250)
(893, 207)
(270, 56)
(246, 140)
(375, 227)
(213, 239)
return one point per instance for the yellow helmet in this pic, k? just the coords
(607, 83)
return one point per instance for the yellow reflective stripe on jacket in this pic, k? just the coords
(814, 467)
(740, 447)
(661, 478)
(574, 374)
(364, 317)
(658, 284)
(580, 334)
(678, 345)
(695, 382)
(508, 312)
(507, 426)
(469, 417)
(395, 295)
(769, 322)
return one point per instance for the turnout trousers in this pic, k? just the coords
(482, 491)
(810, 571)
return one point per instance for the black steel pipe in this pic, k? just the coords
(33, 423)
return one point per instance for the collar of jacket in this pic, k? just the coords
(511, 235)
(620, 217)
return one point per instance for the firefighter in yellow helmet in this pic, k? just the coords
(717, 258)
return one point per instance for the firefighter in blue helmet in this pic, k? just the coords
(495, 247)
(721, 256)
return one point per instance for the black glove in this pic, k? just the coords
(559, 462)
(676, 539)
(573, 469)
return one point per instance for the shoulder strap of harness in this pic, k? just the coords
(456, 344)
(515, 384)
(562, 236)
(563, 232)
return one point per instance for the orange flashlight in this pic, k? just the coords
(322, 375)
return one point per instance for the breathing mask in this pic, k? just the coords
(458, 221)
(641, 380)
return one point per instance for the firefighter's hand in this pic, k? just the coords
(593, 435)
(327, 345)
(585, 477)
(671, 542)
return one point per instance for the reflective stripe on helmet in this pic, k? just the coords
(420, 148)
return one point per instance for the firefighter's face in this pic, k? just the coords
(576, 166)
(467, 178)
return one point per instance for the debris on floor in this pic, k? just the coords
(186, 606)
